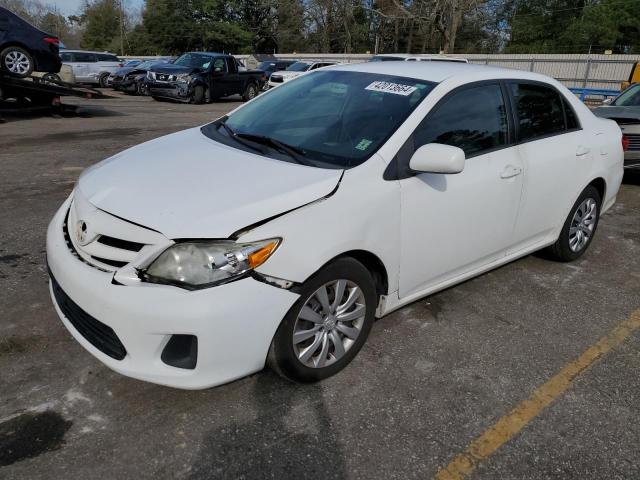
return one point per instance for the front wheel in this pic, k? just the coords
(198, 95)
(17, 61)
(579, 228)
(328, 325)
(103, 80)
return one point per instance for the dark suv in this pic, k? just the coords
(24, 48)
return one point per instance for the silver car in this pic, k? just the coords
(91, 67)
(625, 110)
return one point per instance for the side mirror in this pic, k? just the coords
(437, 158)
(607, 101)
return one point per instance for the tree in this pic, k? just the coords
(101, 20)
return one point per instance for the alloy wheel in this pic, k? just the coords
(17, 62)
(582, 224)
(329, 323)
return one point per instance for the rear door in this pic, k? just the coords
(552, 146)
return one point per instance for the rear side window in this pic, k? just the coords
(83, 57)
(473, 119)
(540, 111)
(104, 57)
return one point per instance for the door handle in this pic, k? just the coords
(582, 150)
(511, 171)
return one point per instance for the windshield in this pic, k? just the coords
(194, 60)
(267, 66)
(385, 59)
(334, 119)
(629, 98)
(298, 67)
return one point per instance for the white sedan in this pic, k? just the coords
(194, 259)
(294, 71)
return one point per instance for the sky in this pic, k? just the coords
(70, 7)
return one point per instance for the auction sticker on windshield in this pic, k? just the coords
(389, 87)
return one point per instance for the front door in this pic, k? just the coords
(453, 224)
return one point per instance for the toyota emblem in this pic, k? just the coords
(82, 232)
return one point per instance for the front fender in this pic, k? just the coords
(363, 214)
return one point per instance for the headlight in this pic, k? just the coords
(204, 264)
(183, 77)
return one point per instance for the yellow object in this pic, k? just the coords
(633, 78)
(256, 259)
(511, 424)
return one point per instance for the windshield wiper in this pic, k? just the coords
(232, 133)
(295, 153)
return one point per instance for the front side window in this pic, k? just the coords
(65, 57)
(219, 65)
(473, 119)
(331, 118)
(84, 57)
(539, 110)
(105, 57)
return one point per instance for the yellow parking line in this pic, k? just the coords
(504, 429)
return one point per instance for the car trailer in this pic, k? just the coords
(34, 94)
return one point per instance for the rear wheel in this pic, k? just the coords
(17, 61)
(328, 325)
(579, 228)
(250, 92)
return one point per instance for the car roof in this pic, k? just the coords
(211, 54)
(422, 56)
(69, 50)
(439, 71)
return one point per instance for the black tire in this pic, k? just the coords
(561, 250)
(250, 92)
(7, 64)
(199, 95)
(102, 80)
(52, 78)
(282, 356)
(139, 88)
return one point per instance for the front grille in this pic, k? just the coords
(120, 243)
(97, 333)
(634, 141)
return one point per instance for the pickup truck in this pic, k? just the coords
(202, 77)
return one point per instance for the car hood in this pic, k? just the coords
(185, 185)
(173, 69)
(290, 75)
(614, 112)
(121, 72)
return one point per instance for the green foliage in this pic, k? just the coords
(101, 19)
(574, 26)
